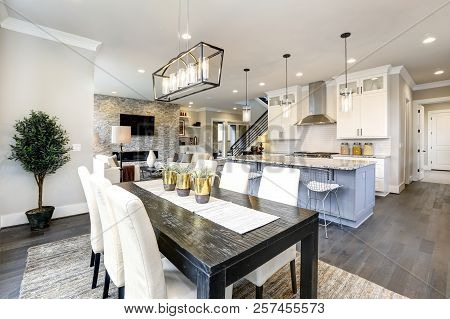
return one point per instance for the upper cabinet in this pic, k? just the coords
(369, 115)
(282, 125)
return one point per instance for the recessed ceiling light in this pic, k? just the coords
(186, 36)
(428, 40)
(234, 108)
(114, 92)
(262, 83)
(190, 102)
(351, 60)
(374, 79)
(439, 72)
(235, 91)
(141, 71)
(189, 105)
(299, 74)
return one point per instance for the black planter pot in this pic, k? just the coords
(40, 218)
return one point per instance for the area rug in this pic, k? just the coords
(61, 270)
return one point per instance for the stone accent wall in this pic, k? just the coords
(107, 110)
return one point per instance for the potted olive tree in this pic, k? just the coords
(41, 147)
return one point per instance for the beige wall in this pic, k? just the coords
(43, 75)
(3, 12)
(206, 118)
(216, 116)
(401, 161)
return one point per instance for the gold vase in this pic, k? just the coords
(183, 184)
(202, 189)
(169, 180)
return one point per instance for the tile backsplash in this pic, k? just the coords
(322, 138)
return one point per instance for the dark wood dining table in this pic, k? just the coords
(213, 257)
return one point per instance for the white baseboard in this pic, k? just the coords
(396, 189)
(60, 211)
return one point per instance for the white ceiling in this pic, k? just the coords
(142, 34)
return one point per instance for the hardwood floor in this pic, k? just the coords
(15, 241)
(404, 246)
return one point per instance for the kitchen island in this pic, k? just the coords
(357, 178)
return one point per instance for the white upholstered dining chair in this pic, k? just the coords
(112, 259)
(146, 274)
(278, 184)
(96, 225)
(235, 177)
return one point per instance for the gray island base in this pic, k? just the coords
(356, 196)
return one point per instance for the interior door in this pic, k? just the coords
(440, 140)
(420, 141)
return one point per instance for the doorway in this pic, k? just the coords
(439, 139)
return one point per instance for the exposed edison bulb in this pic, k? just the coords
(286, 104)
(203, 70)
(165, 85)
(346, 100)
(246, 114)
(181, 78)
(191, 73)
(285, 110)
(173, 82)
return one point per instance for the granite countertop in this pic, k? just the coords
(362, 156)
(326, 163)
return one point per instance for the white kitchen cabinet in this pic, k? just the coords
(283, 126)
(381, 171)
(374, 115)
(369, 115)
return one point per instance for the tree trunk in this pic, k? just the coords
(40, 182)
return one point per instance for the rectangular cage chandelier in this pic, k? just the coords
(195, 70)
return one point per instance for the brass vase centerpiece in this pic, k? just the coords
(169, 175)
(203, 181)
(184, 180)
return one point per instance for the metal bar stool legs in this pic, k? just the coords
(320, 184)
(338, 208)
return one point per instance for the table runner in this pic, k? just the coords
(237, 218)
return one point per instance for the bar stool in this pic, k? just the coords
(321, 185)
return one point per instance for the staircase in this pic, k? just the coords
(245, 141)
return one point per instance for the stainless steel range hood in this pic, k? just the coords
(317, 105)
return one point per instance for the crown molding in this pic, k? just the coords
(434, 100)
(46, 33)
(431, 85)
(404, 74)
(361, 74)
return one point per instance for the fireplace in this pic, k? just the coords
(136, 156)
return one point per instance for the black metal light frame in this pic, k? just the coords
(201, 85)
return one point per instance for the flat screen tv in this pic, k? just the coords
(140, 124)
